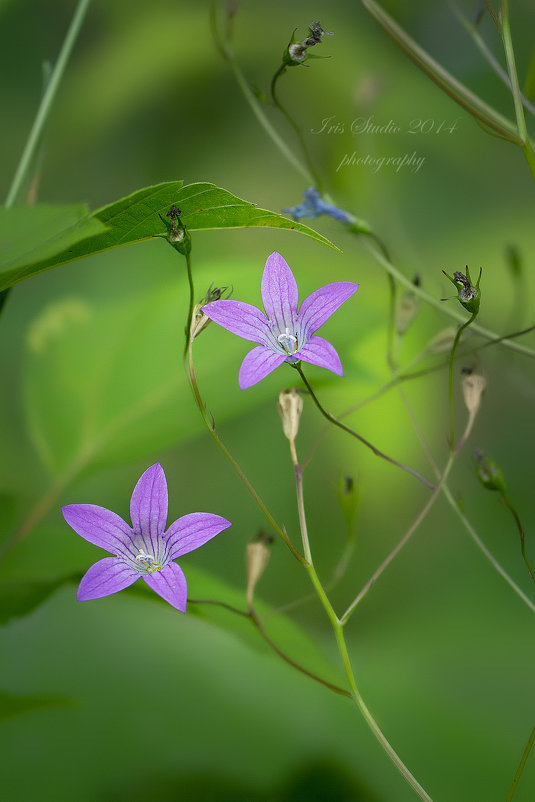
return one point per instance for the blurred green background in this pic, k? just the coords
(128, 700)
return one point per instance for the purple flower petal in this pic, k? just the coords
(322, 303)
(108, 576)
(320, 352)
(148, 507)
(240, 318)
(257, 364)
(170, 583)
(101, 527)
(280, 295)
(192, 531)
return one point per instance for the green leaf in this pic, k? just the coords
(32, 236)
(15, 705)
(19, 597)
(137, 217)
(102, 377)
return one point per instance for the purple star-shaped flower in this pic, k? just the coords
(286, 334)
(145, 549)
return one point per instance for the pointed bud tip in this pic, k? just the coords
(199, 319)
(469, 296)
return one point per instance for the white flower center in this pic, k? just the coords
(149, 561)
(288, 341)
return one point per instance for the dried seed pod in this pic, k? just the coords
(473, 386)
(290, 407)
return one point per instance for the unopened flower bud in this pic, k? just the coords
(488, 472)
(469, 296)
(473, 388)
(290, 407)
(296, 52)
(199, 320)
(407, 310)
(256, 557)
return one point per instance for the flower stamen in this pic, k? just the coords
(288, 341)
(149, 561)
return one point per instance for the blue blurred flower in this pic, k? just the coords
(314, 206)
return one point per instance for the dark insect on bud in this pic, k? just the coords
(177, 233)
(469, 295)
(296, 52)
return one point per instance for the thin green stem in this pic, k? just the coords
(301, 512)
(505, 500)
(344, 654)
(481, 546)
(267, 126)
(395, 551)
(191, 302)
(337, 574)
(355, 434)
(359, 701)
(46, 103)
(316, 179)
(520, 769)
(515, 88)
(450, 393)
